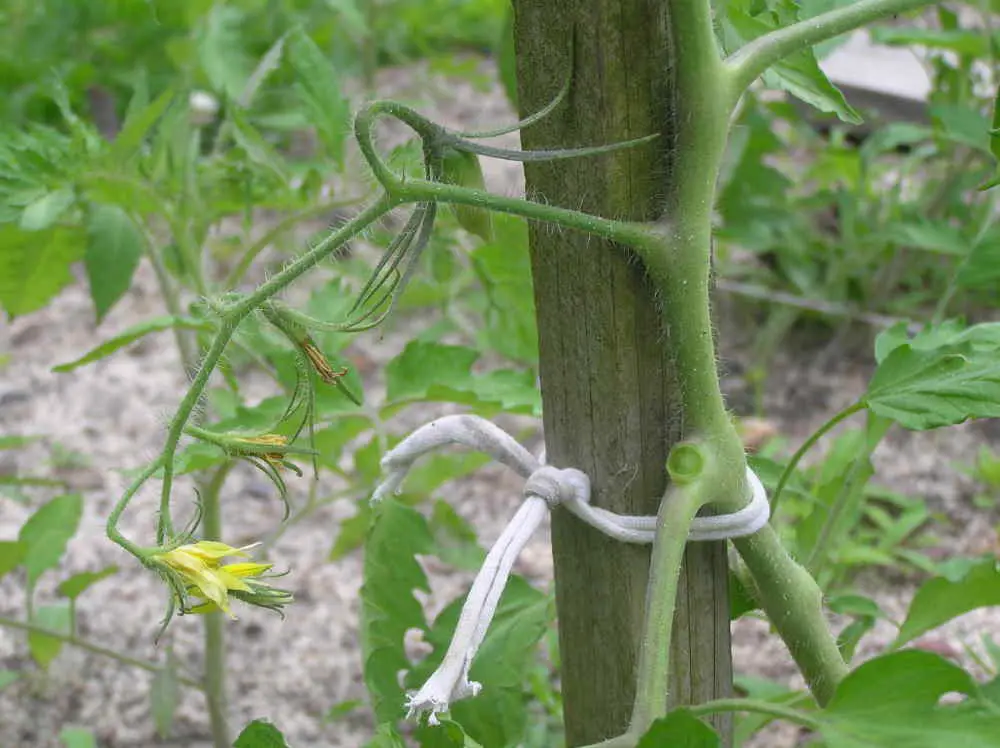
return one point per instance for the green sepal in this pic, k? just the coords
(463, 169)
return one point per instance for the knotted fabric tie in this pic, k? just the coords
(545, 488)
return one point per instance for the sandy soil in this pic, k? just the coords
(292, 671)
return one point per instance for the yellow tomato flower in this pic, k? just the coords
(201, 574)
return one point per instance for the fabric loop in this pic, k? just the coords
(557, 486)
(546, 487)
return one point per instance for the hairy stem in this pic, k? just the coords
(806, 446)
(230, 321)
(73, 640)
(749, 62)
(276, 231)
(794, 604)
(214, 623)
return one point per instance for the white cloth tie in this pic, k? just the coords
(545, 488)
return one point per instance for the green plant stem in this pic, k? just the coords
(75, 641)
(123, 502)
(624, 232)
(806, 446)
(214, 623)
(231, 319)
(185, 346)
(677, 510)
(750, 61)
(425, 191)
(794, 605)
(285, 224)
(756, 706)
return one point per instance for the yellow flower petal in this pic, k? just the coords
(213, 550)
(230, 581)
(246, 569)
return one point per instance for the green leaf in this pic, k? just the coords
(386, 736)
(865, 613)
(909, 680)
(342, 709)
(962, 124)
(892, 701)
(77, 737)
(7, 677)
(463, 169)
(12, 552)
(436, 372)
(165, 695)
(46, 533)
(982, 267)
(984, 338)
(388, 605)
(939, 600)
(258, 150)
(138, 123)
(48, 209)
(260, 734)
(330, 441)
(455, 539)
(56, 618)
(353, 532)
(221, 50)
(34, 266)
(964, 42)
(798, 74)
(422, 365)
(501, 665)
(938, 237)
(114, 248)
(77, 584)
(319, 90)
(679, 729)
(504, 268)
(130, 335)
(933, 388)
(446, 734)
(267, 64)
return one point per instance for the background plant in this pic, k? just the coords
(450, 286)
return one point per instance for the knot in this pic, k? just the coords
(556, 486)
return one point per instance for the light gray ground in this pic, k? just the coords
(292, 671)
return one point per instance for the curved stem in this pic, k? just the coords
(426, 191)
(757, 706)
(806, 446)
(750, 61)
(794, 605)
(123, 502)
(230, 321)
(73, 640)
(286, 223)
